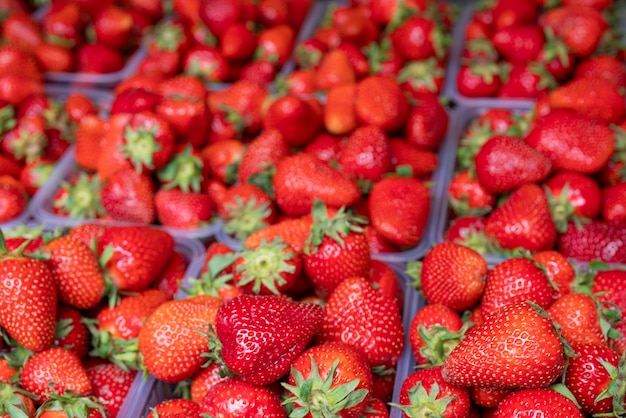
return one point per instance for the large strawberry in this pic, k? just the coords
(452, 275)
(28, 307)
(335, 249)
(357, 314)
(482, 358)
(184, 322)
(128, 196)
(523, 220)
(333, 377)
(110, 385)
(379, 101)
(262, 335)
(301, 178)
(505, 163)
(366, 155)
(596, 240)
(581, 318)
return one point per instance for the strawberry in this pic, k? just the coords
(565, 138)
(206, 63)
(35, 174)
(128, 195)
(177, 357)
(263, 152)
(335, 250)
(176, 208)
(420, 161)
(427, 121)
(252, 400)
(399, 209)
(148, 141)
(479, 79)
(519, 43)
(614, 202)
(511, 13)
(76, 273)
(79, 198)
(596, 240)
(98, 59)
(366, 155)
(355, 310)
(110, 142)
(271, 268)
(339, 113)
(379, 101)
(595, 98)
(591, 377)
(188, 118)
(22, 31)
(134, 100)
(71, 333)
(545, 401)
(294, 117)
(467, 196)
(89, 132)
(418, 38)
(172, 274)
(580, 27)
(204, 380)
(452, 275)
(434, 331)
(276, 44)
(530, 80)
(217, 16)
(515, 280)
(301, 178)
(110, 384)
(58, 366)
(175, 408)
(338, 372)
(293, 231)
(334, 69)
(581, 319)
(481, 357)
(607, 67)
(30, 299)
(13, 198)
(286, 326)
(558, 269)
(246, 208)
(427, 392)
(573, 195)
(422, 77)
(138, 255)
(523, 220)
(113, 27)
(524, 164)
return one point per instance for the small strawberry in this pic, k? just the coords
(111, 385)
(286, 327)
(614, 202)
(559, 270)
(545, 401)
(294, 117)
(261, 155)
(176, 208)
(427, 121)
(128, 196)
(452, 275)
(71, 333)
(13, 198)
(366, 155)
(481, 358)
(379, 101)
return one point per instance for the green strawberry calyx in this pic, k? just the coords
(213, 279)
(616, 388)
(184, 170)
(140, 146)
(73, 405)
(318, 397)
(265, 265)
(423, 403)
(245, 217)
(12, 404)
(336, 227)
(82, 199)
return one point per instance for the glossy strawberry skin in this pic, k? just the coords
(237, 398)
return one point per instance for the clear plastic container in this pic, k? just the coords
(441, 209)
(102, 99)
(68, 169)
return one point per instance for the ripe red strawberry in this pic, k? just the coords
(176, 208)
(596, 240)
(148, 141)
(519, 43)
(452, 275)
(523, 164)
(421, 161)
(481, 358)
(467, 196)
(530, 80)
(204, 380)
(293, 231)
(365, 155)
(252, 400)
(301, 178)
(138, 255)
(276, 44)
(128, 196)
(113, 26)
(59, 366)
(134, 100)
(515, 280)
(523, 221)
(573, 195)
(607, 67)
(427, 122)
(246, 209)
(177, 357)
(175, 408)
(418, 38)
(426, 391)
(559, 270)
(77, 275)
(188, 118)
(399, 209)
(379, 101)
(334, 69)
(79, 197)
(479, 79)
(435, 330)
(614, 202)
(354, 313)
(97, 58)
(111, 385)
(336, 367)
(595, 98)
(589, 377)
(173, 274)
(285, 328)
(545, 401)
(294, 117)
(580, 27)
(30, 298)
(13, 198)
(71, 333)
(581, 318)
(339, 111)
(262, 153)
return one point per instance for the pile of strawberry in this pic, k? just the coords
(553, 179)
(224, 41)
(93, 36)
(405, 40)
(301, 314)
(526, 336)
(523, 49)
(73, 302)
(36, 129)
(175, 153)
